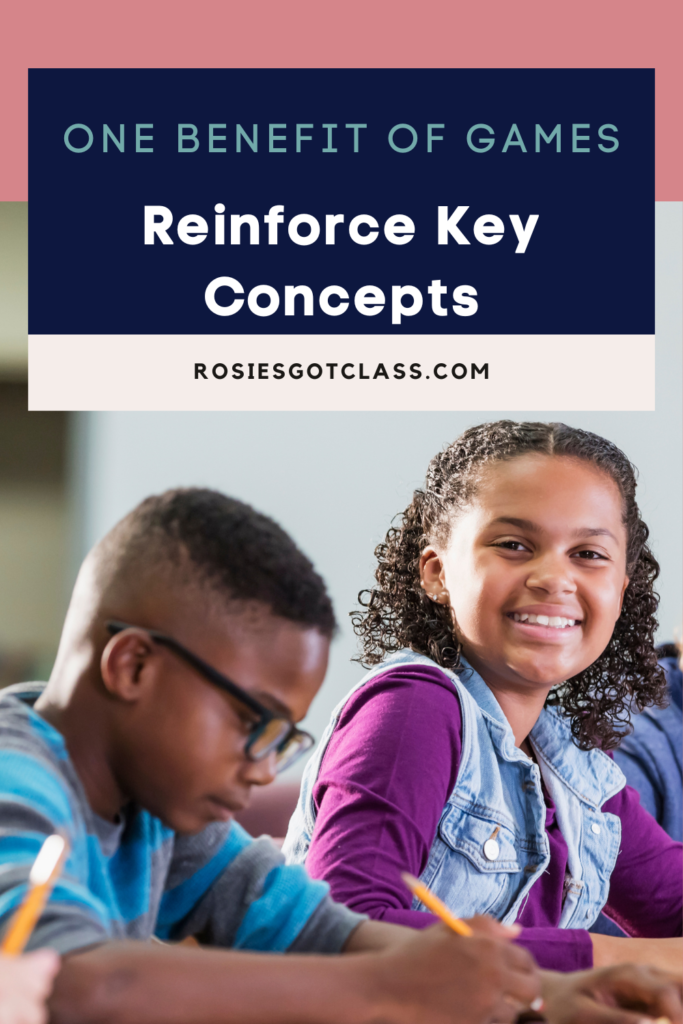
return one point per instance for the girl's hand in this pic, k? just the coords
(25, 984)
(625, 994)
(610, 950)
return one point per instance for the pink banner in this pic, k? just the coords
(358, 33)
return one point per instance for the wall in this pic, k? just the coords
(13, 288)
(34, 499)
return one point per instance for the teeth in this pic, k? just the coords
(554, 621)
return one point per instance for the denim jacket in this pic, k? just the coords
(491, 843)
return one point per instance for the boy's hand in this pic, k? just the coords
(624, 994)
(25, 984)
(378, 935)
(482, 924)
(437, 977)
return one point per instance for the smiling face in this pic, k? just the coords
(179, 739)
(534, 570)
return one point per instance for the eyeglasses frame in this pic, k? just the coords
(223, 682)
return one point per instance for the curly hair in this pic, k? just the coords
(398, 614)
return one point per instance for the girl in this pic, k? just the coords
(510, 633)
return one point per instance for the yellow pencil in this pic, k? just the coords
(44, 874)
(433, 902)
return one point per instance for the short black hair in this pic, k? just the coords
(239, 552)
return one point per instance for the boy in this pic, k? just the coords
(196, 638)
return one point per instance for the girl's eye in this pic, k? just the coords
(590, 555)
(511, 545)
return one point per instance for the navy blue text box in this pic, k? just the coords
(588, 268)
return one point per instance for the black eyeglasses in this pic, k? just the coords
(270, 732)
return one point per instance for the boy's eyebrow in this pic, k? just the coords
(527, 524)
(272, 703)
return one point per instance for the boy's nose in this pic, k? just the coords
(260, 773)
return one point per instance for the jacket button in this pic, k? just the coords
(531, 869)
(595, 829)
(491, 849)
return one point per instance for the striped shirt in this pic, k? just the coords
(137, 878)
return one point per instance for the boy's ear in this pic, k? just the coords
(431, 574)
(123, 661)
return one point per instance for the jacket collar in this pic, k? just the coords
(591, 775)
(498, 725)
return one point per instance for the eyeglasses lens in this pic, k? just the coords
(277, 735)
(269, 738)
(295, 747)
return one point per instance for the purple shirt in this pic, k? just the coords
(390, 766)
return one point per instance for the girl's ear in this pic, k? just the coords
(623, 591)
(122, 664)
(432, 575)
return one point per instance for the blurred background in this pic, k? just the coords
(34, 483)
(333, 480)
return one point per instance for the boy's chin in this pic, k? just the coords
(185, 822)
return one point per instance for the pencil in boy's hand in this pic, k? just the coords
(44, 874)
(434, 904)
(460, 927)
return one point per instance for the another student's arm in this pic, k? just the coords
(25, 984)
(433, 978)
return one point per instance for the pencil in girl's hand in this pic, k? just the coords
(434, 904)
(44, 874)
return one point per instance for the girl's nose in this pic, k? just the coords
(552, 575)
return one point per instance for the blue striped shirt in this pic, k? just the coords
(137, 878)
